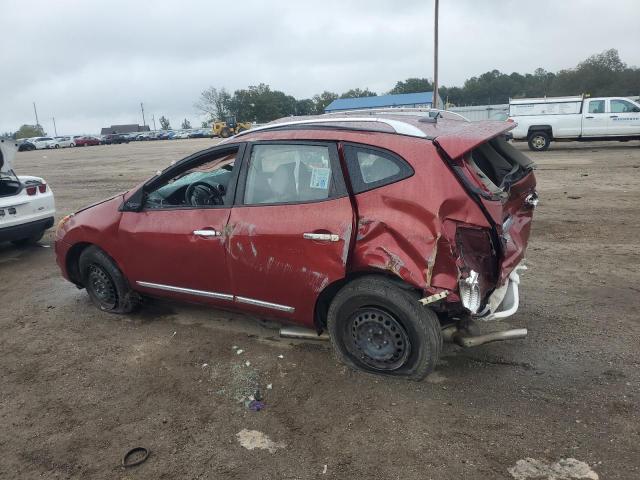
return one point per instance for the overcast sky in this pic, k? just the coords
(91, 63)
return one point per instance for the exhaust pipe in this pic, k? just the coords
(467, 340)
(302, 333)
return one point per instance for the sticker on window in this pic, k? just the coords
(320, 177)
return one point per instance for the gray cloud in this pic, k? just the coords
(91, 63)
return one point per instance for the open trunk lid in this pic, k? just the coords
(8, 151)
(500, 178)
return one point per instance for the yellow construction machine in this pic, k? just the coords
(229, 127)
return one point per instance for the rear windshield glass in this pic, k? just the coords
(499, 163)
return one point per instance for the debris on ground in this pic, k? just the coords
(565, 469)
(251, 439)
(239, 351)
(256, 405)
(269, 386)
(280, 356)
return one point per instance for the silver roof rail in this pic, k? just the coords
(399, 111)
(403, 128)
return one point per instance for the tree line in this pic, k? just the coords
(603, 74)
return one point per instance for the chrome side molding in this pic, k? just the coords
(218, 296)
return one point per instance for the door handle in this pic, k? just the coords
(324, 237)
(207, 233)
(588, 117)
(613, 116)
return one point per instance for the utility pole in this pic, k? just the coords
(55, 130)
(153, 117)
(143, 120)
(435, 58)
(36, 112)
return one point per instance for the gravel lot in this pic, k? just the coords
(79, 387)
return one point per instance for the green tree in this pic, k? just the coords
(357, 92)
(261, 104)
(164, 123)
(305, 107)
(186, 124)
(412, 85)
(27, 131)
(205, 124)
(323, 99)
(214, 102)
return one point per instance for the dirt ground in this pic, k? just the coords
(78, 388)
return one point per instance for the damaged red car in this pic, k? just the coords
(387, 229)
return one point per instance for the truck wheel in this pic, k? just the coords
(106, 285)
(225, 132)
(539, 141)
(377, 326)
(32, 240)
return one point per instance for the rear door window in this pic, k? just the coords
(370, 167)
(290, 173)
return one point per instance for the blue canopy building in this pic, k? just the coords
(406, 100)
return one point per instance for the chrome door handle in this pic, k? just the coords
(324, 237)
(588, 117)
(613, 116)
(206, 233)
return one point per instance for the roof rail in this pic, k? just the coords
(400, 111)
(400, 127)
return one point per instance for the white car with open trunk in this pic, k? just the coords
(543, 120)
(27, 206)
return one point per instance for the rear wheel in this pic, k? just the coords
(539, 141)
(379, 327)
(106, 285)
(32, 240)
(226, 132)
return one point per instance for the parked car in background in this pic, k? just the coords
(181, 135)
(114, 138)
(164, 135)
(25, 145)
(65, 141)
(87, 141)
(45, 142)
(543, 120)
(27, 207)
(200, 134)
(388, 231)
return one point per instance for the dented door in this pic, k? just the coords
(288, 235)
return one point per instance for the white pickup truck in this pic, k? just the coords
(542, 120)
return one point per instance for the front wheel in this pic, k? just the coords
(106, 285)
(539, 141)
(379, 327)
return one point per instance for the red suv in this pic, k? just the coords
(388, 230)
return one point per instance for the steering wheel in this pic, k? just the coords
(203, 193)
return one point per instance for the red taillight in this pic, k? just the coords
(32, 190)
(42, 188)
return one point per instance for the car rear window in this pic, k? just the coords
(371, 167)
(498, 163)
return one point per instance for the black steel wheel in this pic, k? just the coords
(101, 286)
(376, 324)
(378, 339)
(107, 287)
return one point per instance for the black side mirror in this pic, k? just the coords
(134, 203)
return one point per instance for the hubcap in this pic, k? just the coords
(538, 142)
(377, 339)
(102, 286)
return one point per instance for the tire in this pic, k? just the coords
(72, 145)
(406, 338)
(539, 141)
(32, 240)
(226, 132)
(106, 285)
(57, 146)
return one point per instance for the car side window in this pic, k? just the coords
(292, 173)
(204, 185)
(596, 106)
(622, 106)
(371, 168)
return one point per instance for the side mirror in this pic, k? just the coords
(134, 203)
